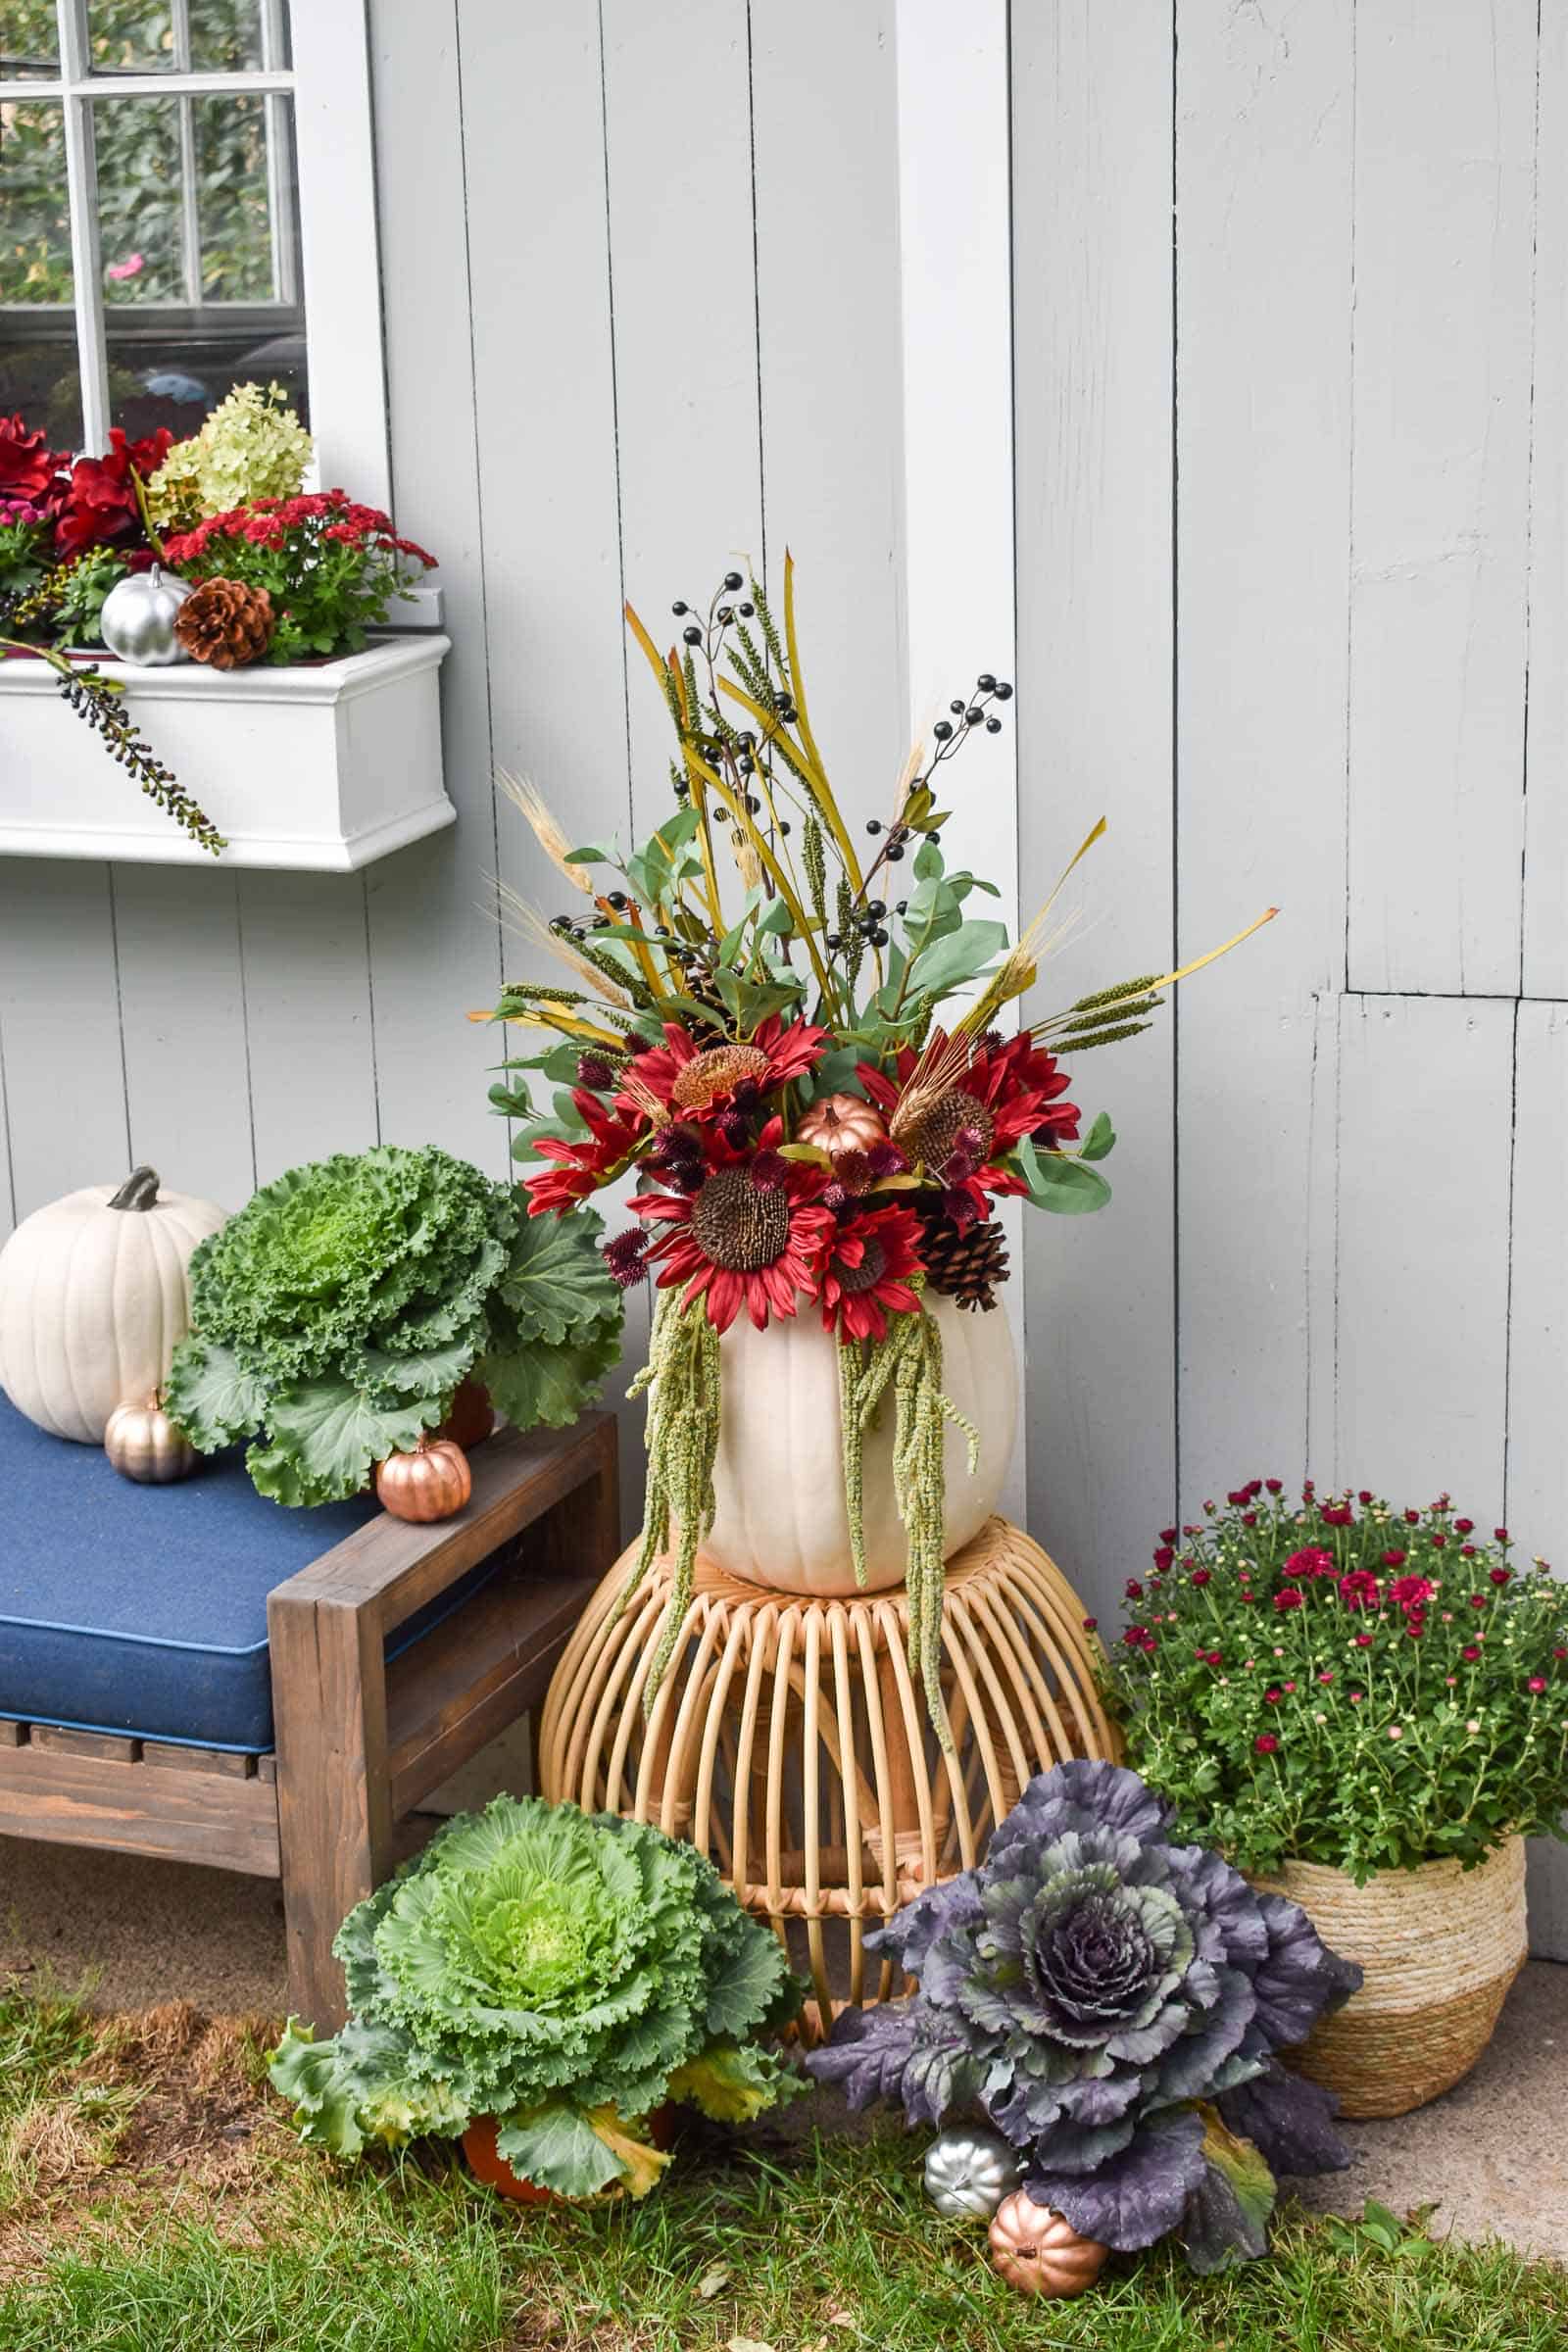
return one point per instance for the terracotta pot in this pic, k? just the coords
(491, 2168)
(1439, 1948)
(779, 1476)
(471, 1419)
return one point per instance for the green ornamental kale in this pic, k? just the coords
(1114, 2002)
(566, 1974)
(339, 1310)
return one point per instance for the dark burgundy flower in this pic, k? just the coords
(1338, 1514)
(1134, 1637)
(1478, 1600)
(1470, 1653)
(1465, 1526)
(1411, 1591)
(1201, 1576)
(1499, 1534)
(1274, 1696)
(1133, 1589)
(1364, 1640)
(1365, 1495)
(1360, 1590)
(1265, 1744)
(1437, 1543)
(1288, 1598)
(1091, 1625)
(1309, 1562)
(1501, 1576)
(1274, 1485)
(1163, 1557)
(625, 1257)
(1394, 1559)
(1167, 1534)
(1537, 1683)
(1412, 1518)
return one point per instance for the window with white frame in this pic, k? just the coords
(161, 164)
(149, 223)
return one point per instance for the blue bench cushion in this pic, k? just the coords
(143, 1609)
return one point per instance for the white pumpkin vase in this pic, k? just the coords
(93, 1298)
(781, 1519)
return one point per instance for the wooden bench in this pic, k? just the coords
(361, 1739)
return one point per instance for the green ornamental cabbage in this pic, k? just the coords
(564, 1974)
(339, 1310)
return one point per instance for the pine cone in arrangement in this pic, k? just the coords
(226, 624)
(963, 1266)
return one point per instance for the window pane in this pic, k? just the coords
(29, 40)
(225, 36)
(236, 174)
(130, 36)
(174, 356)
(37, 327)
(140, 211)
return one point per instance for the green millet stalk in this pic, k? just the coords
(1113, 996)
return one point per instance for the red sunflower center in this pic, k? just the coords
(852, 1280)
(736, 1226)
(933, 1133)
(718, 1072)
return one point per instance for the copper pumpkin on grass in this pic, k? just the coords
(1037, 2249)
(433, 1482)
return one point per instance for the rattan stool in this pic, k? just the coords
(790, 1742)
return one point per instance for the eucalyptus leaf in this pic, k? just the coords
(1100, 1140)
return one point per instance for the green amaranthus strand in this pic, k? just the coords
(682, 1380)
(908, 1355)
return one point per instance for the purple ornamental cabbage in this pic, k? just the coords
(1113, 2003)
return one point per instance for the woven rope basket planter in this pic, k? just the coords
(789, 1741)
(1439, 1945)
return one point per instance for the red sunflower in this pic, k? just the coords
(1011, 1088)
(587, 1162)
(751, 1234)
(863, 1276)
(693, 1079)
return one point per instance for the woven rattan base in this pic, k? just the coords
(789, 1741)
(1439, 1946)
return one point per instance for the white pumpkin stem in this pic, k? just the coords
(139, 1190)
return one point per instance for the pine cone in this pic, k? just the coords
(963, 1266)
(225, 623)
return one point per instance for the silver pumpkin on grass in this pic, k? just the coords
(137, 621)
(968, 2169)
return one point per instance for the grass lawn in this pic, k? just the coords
(153, 2199)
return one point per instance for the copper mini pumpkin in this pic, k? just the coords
(144, 1444)
(840, 1123)
(1037, 2249)
(431, 1482)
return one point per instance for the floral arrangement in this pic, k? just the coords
(340, 1310)
(277, 574)
(1336, 1681)
(564, 1975)
(814, 1087)
(1113, 2003)
(329, 567)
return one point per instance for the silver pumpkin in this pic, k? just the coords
(137, 622)
(968, 2169)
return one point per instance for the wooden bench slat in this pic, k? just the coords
(171, 1756)
(74, 1799)
(108, 1748)
(12, 1733)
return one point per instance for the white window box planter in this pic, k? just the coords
(328, 765)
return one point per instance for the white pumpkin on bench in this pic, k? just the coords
(93, 1299)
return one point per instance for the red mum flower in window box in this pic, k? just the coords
(583, 1165)
(752, 1233)
(863, 1278)
(695, 1079)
